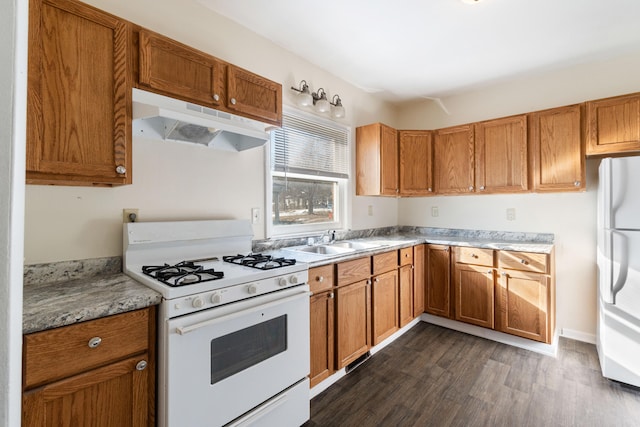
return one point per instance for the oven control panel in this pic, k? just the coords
(210, 299)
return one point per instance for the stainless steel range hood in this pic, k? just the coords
(160, 117)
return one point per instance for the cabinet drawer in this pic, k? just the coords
(62, 352)
(385, 262)
(406, 256)
(321, 278)
(475, 256)
(525, 261)
(353, 271)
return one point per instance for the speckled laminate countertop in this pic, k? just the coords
(61, 294)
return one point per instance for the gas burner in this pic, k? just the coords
(259, 261)
(181, 274)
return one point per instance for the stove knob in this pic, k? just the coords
(216, 298)
(282, 281)
(252, 289)
(198, 302)
(293, 280)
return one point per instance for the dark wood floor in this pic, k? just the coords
(432, 376)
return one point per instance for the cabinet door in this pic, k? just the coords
(384, 299)
(416, 173)
(112, 396)
(501, 155)
(419, 279)
(389, 161)
(523, 304)
(177, 70)
(474, 294)
(438, 294)
(79, 95)
(255, 96)
(406, 294)
(353, 320)
(613, 125)
(453, 160)
(557, 149)
(321, 338)
(376, 160)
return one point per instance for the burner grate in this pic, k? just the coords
(259, 261)
(181, 274)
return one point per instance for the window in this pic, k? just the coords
(308, 174)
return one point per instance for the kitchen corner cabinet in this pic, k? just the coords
(99, 372)
(525, 300)
(353, 310)
(384, 296)
(474, 286)
(557, 149)
(419, 279)
(78, 95)
(613, 125)
(438, 286)
(376, 160)
(322, 321)
(453, 160)
(501, 155)
(171, 68)
(416, 168)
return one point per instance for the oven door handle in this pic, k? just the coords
(182, 330)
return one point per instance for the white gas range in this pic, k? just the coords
(233, 328)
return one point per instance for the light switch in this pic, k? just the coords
(511, 214)
(434, 211)
(255, 215)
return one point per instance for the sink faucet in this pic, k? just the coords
(328, 236)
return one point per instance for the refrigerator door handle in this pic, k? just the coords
(621, 258)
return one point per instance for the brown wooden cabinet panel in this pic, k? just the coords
(174, 69)
(613, 125)
(501, 155)
(321, 278)
(557, 149)
(78, 95)
(438, 289)
(115, 395)
(523, 305)
(384, 300)
(406, 256)
(255, 96)
(453, 160)
(385, 261)
(477, 256)
(416, 156)
(376, 160)
(322, 337)
(353, 270)
(526, 261)
(419, 279)
(474, 294)
(353, 322)
(405, 300)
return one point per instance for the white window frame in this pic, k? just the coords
(341, 205)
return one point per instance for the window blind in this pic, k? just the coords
(306, 146)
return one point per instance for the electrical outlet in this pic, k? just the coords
(255, 215)
(511, 214)
(370, 210)
(434, 211)
(130, 215)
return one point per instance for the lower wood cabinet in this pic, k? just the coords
(405, 300)
(384, 300)
(322, 336)
(438, 289)
(474, 295)
(98, 373)
(419, 279)
(353, 321)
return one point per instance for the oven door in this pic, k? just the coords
(223, 362)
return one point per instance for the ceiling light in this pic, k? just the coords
(304, 98)
(321, 104)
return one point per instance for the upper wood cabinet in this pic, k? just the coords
(376, 160)
(501, 155)
(174, 69)
(613, 125)
(453, 160)
(557, 149)
(416, 168)
(78, 95)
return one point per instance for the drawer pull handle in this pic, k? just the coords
(216, 97)
(489, 271)
(94, 342)
(524, 261)
(233, 101)
(141, 365)
(331, 295)
(474, 256)
(121, 170)
(504, 274)
(320, 279)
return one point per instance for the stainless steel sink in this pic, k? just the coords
(355, 245)
(323, 249)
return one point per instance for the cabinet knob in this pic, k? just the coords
(577, 183)
(331, 295)
(429, 189)
(482, 188)
(376, 279)
(233, 101)
(489, 271)
(121, 170)
(471, 188)
(524, 261)
(141, 365)
(474, 256)
(504, 273)
(319, 279)
(216, 97)
(94, 342)
(368, 282)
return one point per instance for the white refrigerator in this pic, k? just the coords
(618, 329)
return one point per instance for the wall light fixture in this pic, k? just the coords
(305, 98)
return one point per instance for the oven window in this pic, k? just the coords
(242, 349)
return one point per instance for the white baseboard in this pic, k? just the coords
(578, 335)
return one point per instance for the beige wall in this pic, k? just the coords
(64, 223)
(570, 216)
